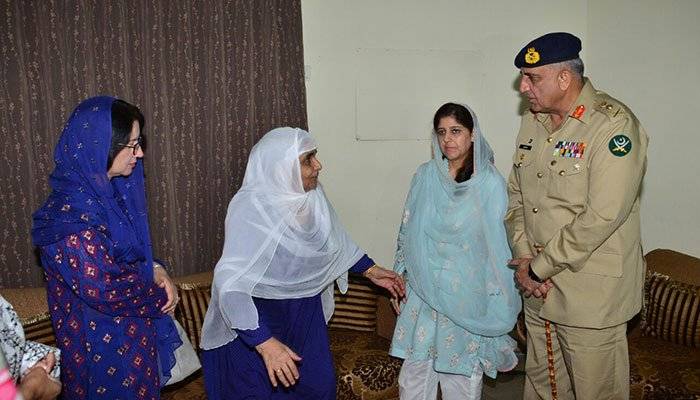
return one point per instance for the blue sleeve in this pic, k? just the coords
(253, 337)
(363, 265)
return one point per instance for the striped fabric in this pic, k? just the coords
(672, 310)
(194, 300)
(38, 328)
(357, 309)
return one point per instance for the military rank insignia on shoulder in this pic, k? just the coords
(610, 109)
(620, 145)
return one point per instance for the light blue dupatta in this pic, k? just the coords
(453, 245)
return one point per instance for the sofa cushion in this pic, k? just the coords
(672, 310)
(363, 367)
(662, 370)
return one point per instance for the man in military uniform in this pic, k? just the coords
(574, 227)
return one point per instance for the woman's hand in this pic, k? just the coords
(396, 304)
(162, 279)
(390, 281)
(279, 361)
(37, 384)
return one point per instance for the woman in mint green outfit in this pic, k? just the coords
(461, 299)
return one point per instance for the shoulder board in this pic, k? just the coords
(609, 106)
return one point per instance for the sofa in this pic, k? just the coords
(664, 339)
(360, 333)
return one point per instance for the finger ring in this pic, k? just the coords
(279, 369)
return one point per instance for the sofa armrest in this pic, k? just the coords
(27, 302)
(680, 267)
(195, 280)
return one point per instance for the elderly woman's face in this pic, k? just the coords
(125, 161)
(310, 167)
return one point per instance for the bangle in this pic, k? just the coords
(159, 263)
(369, 269)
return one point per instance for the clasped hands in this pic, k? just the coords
(527, 286)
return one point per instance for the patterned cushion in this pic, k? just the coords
(38, 328)
(672, 310)
(357, 309)
(364, 369)
(661, 370)
(194, 300)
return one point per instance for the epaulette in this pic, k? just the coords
(609, 107)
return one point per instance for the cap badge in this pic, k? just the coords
(532, 56)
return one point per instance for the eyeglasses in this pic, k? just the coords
(140, 143)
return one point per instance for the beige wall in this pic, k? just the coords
(647, 54)
(373, 134)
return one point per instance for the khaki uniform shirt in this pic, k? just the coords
(574, 207)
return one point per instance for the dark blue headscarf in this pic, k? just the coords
(83, 197)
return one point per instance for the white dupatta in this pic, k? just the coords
(281, 242)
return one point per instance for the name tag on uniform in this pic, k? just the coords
(525, 147)
(569, 149)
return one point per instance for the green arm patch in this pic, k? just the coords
(620, 145)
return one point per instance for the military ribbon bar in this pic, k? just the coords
(569, 149)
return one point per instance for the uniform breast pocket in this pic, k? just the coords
(568, 180)
(522, 158)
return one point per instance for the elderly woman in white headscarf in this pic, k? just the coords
(273, 286)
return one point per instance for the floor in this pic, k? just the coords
(507, 385)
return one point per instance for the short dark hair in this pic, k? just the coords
(123, 117)
(464, 117)
(575, 66)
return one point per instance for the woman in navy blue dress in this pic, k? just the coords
(107, 297)
(265, 333)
